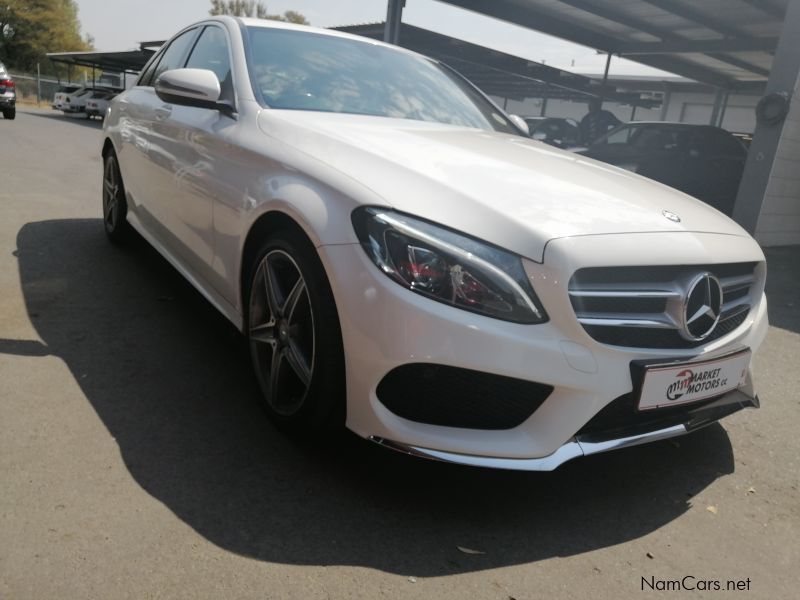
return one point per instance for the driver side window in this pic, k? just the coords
(171, 58)
(211, 53)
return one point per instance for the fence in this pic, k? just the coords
(32, 86)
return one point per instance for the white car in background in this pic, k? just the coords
(61, 95)
(97, 106)
(405, 260)
(78, 102)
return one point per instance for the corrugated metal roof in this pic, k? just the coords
(501, 74)
(725, 43)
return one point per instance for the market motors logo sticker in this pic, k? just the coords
(689, 382)
(678, 389)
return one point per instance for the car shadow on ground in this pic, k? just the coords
(75, 119)
(170, 379)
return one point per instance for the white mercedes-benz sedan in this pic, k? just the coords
(405, 261)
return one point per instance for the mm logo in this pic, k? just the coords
(681, 385)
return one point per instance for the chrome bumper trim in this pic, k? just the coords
(573, 448)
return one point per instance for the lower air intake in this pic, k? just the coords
(455, 397)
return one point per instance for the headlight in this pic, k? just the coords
(447, 266)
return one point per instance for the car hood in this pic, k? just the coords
(512, 191)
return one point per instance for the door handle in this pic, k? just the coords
(163, 112)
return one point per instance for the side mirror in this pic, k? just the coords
(191, 87)
(520, 123)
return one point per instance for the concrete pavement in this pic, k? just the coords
(136, 463)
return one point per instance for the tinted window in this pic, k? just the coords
(309, 71)
(211, 52)
(711, 141)
(618, 136)
(174, 56)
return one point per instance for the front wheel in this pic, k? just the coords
(294, 336)
(115, 207)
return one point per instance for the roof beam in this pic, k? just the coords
(542, 21)
(696, 16)
(616, 16)
(538, 20)
(768, 7)
(739, 63)
(762, 44)
(680, 10)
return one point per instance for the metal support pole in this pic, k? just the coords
(723, 109)
(505, 103)
(544, 100)
(633, 113)
(717, 106)
(783, 77)
(605, 76)
(394, 18)
(38, 84)
(665, 103)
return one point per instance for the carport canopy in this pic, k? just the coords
(500, 74)
(725, 43)
(129, 61)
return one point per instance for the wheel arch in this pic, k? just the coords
(108, 147)
(267, 223)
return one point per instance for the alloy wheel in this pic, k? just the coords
(281, 332)
(111, 190)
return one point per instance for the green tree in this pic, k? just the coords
(29, 29)
(253, 8)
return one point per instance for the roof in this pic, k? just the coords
(131, 61)
(501, 74)
(724, 43)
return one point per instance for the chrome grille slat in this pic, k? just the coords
(643, 306)
(730, 284)
(651, 322)
(624, 293)
(734, 309)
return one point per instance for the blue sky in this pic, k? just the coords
(119, 24)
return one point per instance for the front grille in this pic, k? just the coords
(455, 397)
(640, 307)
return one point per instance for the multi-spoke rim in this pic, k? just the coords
(110, 195)
(281, 331)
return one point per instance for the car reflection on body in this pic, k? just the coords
(404, 260)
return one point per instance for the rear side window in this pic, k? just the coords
(716, 142)
(172, 58)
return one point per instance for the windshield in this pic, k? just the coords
(300, 70)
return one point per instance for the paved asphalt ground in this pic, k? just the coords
(135, 462)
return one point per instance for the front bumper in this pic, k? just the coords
(587, 444)
(385, 326)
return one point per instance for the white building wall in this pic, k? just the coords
(779, 221)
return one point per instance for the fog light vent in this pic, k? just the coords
(455, 397)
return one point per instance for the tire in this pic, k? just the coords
(294, 336)
(115, 206)
(10, 113)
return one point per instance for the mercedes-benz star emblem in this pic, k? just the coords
(671, 216)
(701, 307)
